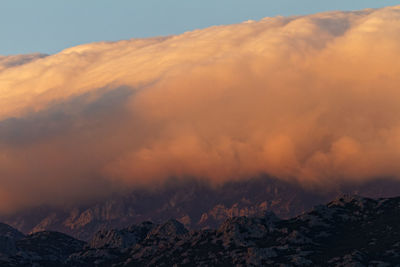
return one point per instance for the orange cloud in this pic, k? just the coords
(312, 98)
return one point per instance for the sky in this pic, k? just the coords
(49, 26)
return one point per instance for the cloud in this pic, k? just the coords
(18, 60)
(312, 99)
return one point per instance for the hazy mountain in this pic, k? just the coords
(349, 231)
(194, 204)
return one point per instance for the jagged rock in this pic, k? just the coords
(123, 238)
(168, 230)
(349, 231)
(195, 204)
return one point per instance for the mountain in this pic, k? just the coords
(194, 204)
(348, 231)
(8, 237)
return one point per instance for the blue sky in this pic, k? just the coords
(49, 26)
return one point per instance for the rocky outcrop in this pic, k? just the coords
(348, 231)
(121, 239)
(195, 205)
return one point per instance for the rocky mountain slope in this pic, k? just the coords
(194, 204)
(349, 231)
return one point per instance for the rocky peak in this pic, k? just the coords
(123, 238)
(170, 229)
(353, 200)
(352, 231)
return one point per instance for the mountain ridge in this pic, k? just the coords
(349, 231)
(195, 205)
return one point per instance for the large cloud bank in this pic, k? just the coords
(314, 99)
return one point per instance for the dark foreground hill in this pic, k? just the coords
(349, 231)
